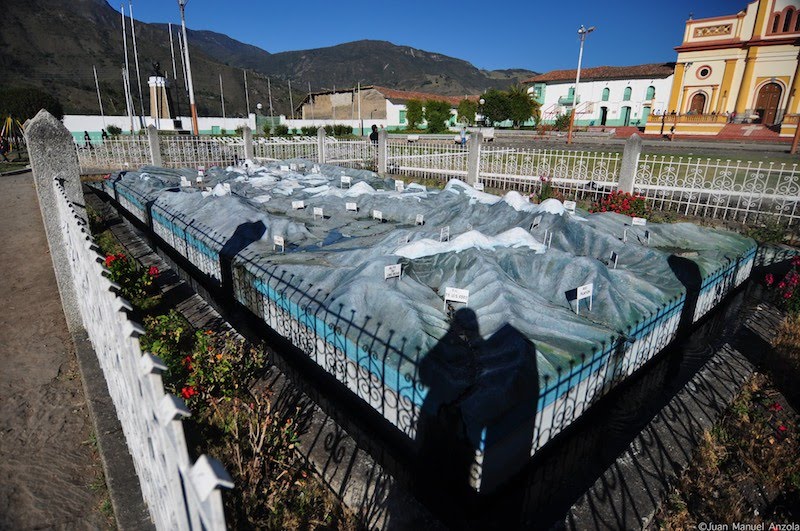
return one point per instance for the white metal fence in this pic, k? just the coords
(722, 189)
(434, 160)
(740, 190)
(271, 149)
(179, 495)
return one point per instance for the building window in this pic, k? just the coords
(776, 20)
(703, 72)
(606, 94)
(787, 20)
(797, 22)
(403, 116)
(571, 92)
(651, 93)
(626, 96)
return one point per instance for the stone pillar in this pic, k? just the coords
(630, 162)
(155, 148)
(247, 133)
(383, 151)
(474, 157)
(52, 154)
(321, 145)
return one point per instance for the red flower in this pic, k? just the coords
(781, 428)
(153, 271)
(796, 261)
(776, 407)
(188, 392)
(110, 260)
(788, 295)
(769, 279)
(781, 284)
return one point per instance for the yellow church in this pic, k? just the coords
(737, 74)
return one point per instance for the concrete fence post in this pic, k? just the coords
(474, 157)
(321, 134)
(247, 133)
(51, 150)
(155, 147)
(630, 162)
(383, 146)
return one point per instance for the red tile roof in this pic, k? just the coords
(653, 70)
(405, 95)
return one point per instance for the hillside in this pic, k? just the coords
(56, 53)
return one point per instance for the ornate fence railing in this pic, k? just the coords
(740, 190)
(179, 494)
(722, 189)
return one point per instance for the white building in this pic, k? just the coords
(612, 96)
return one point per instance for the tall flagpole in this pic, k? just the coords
(333, 105)
(174, 70)
(99, 99)
(271, 113)
(195, 130)
(291, 105)
(222, 96)
(127, 65)
(136, 59)
(311, 100)
(246, 93)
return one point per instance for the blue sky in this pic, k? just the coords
(539, 35)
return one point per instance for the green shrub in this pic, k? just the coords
(562, 122)
(437, 114)
(309, 130)
(282, 130)
(136, 284)
(342, 130)
(113, 130)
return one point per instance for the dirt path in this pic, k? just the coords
(50, 475)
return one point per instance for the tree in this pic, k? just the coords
(497, 107)
(414, 113)
(466, 111)
(437, 113)
(24, 103)
(521, 106)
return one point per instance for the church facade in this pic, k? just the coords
(739, 68)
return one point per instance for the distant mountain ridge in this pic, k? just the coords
(52, 44)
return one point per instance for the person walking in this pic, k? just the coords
(87, 139)
(4, 148)
(373, 136)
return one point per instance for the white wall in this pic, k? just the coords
(592, 91)
(78, 123)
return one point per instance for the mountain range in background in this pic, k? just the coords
(53, 45)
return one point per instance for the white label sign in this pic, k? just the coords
(185, 182)
(297, 205)
(392, 271)
(399, 185)
(638, 221)
(318, 212)
(420, 219)
(536, 222)
(346, 180)
(455, 295)
(479, 187)
(315, 168)
(584, 292)
(226, 187)
(284, 167)
(377, 214)
(293, 167)
(351, 206)
(444, 234)
(279, 242)
(569, 206)
(614, 258)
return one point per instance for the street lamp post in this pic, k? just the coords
(582, 33)
(195, 130)
(481, 102)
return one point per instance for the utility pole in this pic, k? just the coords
(582, 32)
(174, 68)
(195, 130)
(271, 112)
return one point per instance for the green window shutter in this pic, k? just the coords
(626, 96)
(606, 94)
